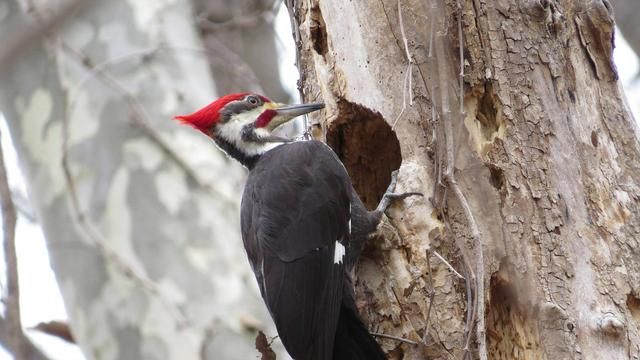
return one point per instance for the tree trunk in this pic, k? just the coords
(540, 164)
(140, 214)
(241, 38)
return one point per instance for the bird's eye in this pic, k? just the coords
(253, 100)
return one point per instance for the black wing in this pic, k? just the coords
(294, 210)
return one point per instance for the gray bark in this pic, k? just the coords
(242, 41)
(542, 166)
(152, 266)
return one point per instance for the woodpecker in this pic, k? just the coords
(303, 226)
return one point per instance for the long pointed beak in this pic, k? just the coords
(298, 109)
(287, 112)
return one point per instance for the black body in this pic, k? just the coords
(298, 201)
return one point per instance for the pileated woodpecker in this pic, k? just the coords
(303, 226)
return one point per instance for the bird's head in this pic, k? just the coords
(245, 121)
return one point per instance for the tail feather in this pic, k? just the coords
(353, 340)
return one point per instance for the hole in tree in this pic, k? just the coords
(512, 332)
(489, 113)
(633, 303)
(496, 177)
(368, 148)
(318, 31)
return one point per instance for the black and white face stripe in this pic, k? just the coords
(250, 102)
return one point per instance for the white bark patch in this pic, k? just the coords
(172, 189)
(43, 141)
(79, 34)
(338, 253)
(122, 298)
(156, 324)
(35, 116)
(358, 66)
(83, 121)
(115, 39)
(145, 12)
(141, 153)
(198, 258)
(173, 293)
(117, 220)
(414, 226)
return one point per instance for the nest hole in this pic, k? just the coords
(368, 148)
(489, 114)
(633, 303)
(511, 329)
(318, 31)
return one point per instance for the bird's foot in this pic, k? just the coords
(390, 195)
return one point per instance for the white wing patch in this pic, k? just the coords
(349, 218)
(338, 253)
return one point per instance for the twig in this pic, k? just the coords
(24, 39)
(140, 119)
(396, 338)
(407, 84)
(448, 264)
(441, 71)
(16, 340)
(479, 256)
(86, 228)
(431, 297)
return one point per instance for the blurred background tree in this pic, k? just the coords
(140, 215)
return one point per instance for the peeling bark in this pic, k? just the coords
(546, 155)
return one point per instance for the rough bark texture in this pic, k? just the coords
(152, 266)
(547, 156)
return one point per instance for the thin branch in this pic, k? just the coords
(396, 338)
(26, 38)
(16, 341)
(448, 264)
(86, 228)
(431, 297)
(141, 119)
(407, 84)
(479, 256)
(479, 293)
(440, 70)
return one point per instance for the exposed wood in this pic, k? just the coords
(541, 155)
